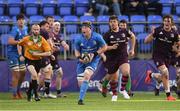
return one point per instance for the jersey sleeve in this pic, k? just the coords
(46, 46)
(77, 44)
(105, 37)
(155, 34)
(13, 32)
(22, 41)
(101, 41)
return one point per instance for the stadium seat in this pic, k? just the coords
(138, 28)
(4, 44)
(48, 7)
(178, 10)
(4, 24)
(65, 7)
(31, 7)
(35, 19)
(56, 17)
(176, 19)
(71, 24)
(138, 23)
(166, 10)
(103, 24)
(87, 18)
(154, 20)
(2, 7)
(81, 6)
(125, 17)
(142, 47)
(72, 38)
(14, 7)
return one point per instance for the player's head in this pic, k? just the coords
(35, 29)
(50, 20)
(20, 20)
(44, 25)
(56, 26)
(114, 22)
(86, 28)
(123, 24)
(168, 22)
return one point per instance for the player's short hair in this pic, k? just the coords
(113, 17)
(87, 24)
(168, 16)
(20, 16)
(42, 23)
(49, 17)
(123, 21)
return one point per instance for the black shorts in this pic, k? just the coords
(55, 64)
(161, 60)
(38, 64)
(175, 61)
(112, 66)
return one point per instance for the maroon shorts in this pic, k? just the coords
(112, 66)
(161, 60)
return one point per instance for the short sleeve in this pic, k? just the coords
(77, 44)
(46, 46)
(101, 41)
(13, 32)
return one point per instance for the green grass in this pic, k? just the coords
(93, 102)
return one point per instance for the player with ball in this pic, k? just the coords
(88, 48)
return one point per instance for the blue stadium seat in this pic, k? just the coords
(125, 17)
(4, 43)
(178, 10)
(35, 19)
(176, 18)
(177, 3)
(57, 17)
(14, 7)
(137, 18)
(4, 27)
(138, 29)
(72, 38)
(48, 7)
(138, 23)
(166, 10)
(153, 20)
(65, 7)
(103, 24)
(142, 47)
(71, 27)
(31, 7)
(87, 18)
(81, 6)
(2, 7)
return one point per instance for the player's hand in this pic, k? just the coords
(103, 56)
(21, 58)
(152, 29)
(66, 47)
(35, 53)
(52, 57)
(131, 53)
(115, 46)
(83, 61)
